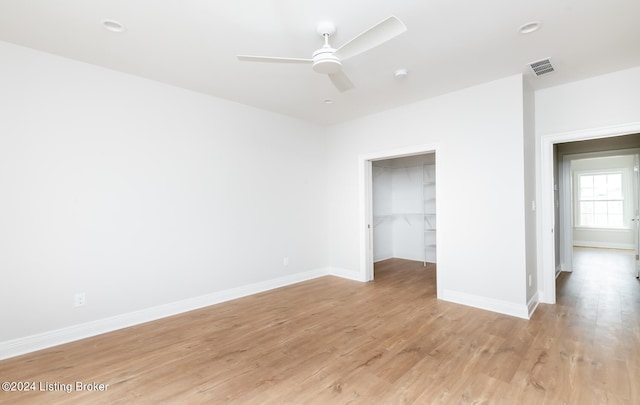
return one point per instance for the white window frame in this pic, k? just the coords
(626, 195)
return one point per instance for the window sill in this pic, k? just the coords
(594, 229)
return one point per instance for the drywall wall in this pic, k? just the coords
(407, 206)
(140, 194)
(530, 203)
(481, 224)
(602, 101)
(382, 213)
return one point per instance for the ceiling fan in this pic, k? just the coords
(328, 60)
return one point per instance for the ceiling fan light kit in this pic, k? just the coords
(324, 59)
(328, 60)
(326, 63)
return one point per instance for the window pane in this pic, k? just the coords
(600, 207)
(600, 220)
(586, 207)
(615, 207)
(615, 220)
(600, 186)
(586, 220)
(586, 181)
(586, 187)
(586, 193)
(614, 185)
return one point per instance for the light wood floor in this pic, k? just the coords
(335, 341)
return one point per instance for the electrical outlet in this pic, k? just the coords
(80, 299)
(285, 261)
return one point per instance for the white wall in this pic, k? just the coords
(141, 194)
(481, 225)
(383, 221)
(530, 203)
(607, 100)
(407, 204)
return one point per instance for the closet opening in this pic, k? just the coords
(404, 209)
(404, 215)
(399, 213)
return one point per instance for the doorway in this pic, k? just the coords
(404, 217)
(404, 209)
(597, 196)
(366, 186)
(548, 197)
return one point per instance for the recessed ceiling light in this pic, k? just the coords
(400, 73)
(530, 27)
(113, 26)
(328, 101)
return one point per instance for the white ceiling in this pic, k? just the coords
(449, 45)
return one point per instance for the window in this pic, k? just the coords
(601, 203)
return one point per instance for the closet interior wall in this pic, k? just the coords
(404, 208)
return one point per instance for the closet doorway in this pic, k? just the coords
(404, 209)
(425, 154)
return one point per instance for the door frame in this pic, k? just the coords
(545, 191)
(365, 198)
(636, 214)
(566, 217)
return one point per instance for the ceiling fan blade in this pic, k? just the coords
(251, 58)
(374, 36)
(341, 81)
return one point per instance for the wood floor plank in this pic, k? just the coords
(336, 341)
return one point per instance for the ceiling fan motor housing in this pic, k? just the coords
(324, 61)
(328, 60)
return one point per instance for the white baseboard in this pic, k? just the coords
(532, 304)
(490, 304)
(603, 245)
(559, 270)
(413, 259)
(28, 344)
(343, 273)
